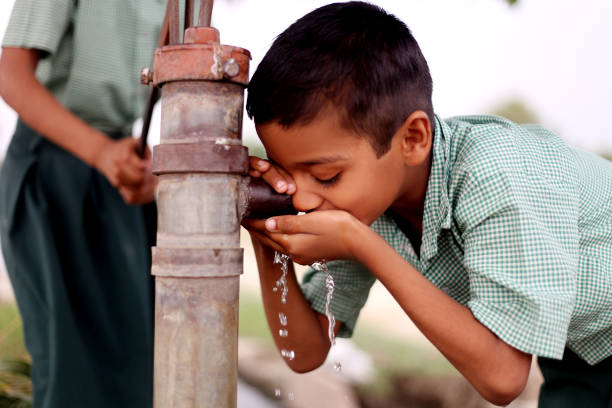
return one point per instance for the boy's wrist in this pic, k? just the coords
(358, 239)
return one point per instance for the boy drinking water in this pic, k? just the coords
(495, 239)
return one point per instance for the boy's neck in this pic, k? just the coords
(412, 229)
(410, 205)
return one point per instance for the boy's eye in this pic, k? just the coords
(328, 181)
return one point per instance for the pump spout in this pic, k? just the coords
(259, 200)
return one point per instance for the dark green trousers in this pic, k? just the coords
(78, 260)
(573, 383)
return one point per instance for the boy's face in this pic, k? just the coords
(334, 168)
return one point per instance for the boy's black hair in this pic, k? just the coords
(354, 56)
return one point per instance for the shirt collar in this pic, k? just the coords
(437, 210)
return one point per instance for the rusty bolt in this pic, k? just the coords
(146, 76)
(230, 68)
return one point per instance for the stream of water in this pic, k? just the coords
(321, 266)
(281, 284)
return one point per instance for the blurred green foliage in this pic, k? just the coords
(11, 333)
(15, 384)
(517, 111)
(253, 318)
(256, 149)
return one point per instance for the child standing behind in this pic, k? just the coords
(75, 242)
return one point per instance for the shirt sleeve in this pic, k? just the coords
(38, 24)
(352, 284)
(521, 254)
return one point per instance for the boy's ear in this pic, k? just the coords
(415, 138)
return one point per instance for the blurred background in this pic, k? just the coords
(532, 61)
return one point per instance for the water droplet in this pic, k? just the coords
(283, 332)
(282, 318)
(275, 289)
(291, 396)
(337, 367)
(277, 392)
(282, 282)
(288, 354)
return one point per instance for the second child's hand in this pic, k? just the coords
(120, 163)
(144, 191)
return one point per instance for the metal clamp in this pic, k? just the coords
(200, 158)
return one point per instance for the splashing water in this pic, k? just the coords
(288, 354)
(283, 332)
(282, 282)
(321, 266)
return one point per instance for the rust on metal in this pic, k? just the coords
(196, 342)
(197, 262)
(207, 216)
(199, 62)
(195, 111)
(146, 76)
(200, 158)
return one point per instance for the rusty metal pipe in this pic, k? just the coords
(260, 201)
(189, 12)
(205, 14)
(198, 259)
(203, 193)
(174, 22)
(197, 262)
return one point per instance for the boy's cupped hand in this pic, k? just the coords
(309, 237)
(120, 163)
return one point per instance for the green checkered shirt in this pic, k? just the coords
(517, 226)
(93, 53)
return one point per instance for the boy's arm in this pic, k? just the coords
(36, 106)
(307, 329)
(498, 371)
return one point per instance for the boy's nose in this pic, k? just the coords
(305, 201)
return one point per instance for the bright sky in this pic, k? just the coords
(555, 55)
